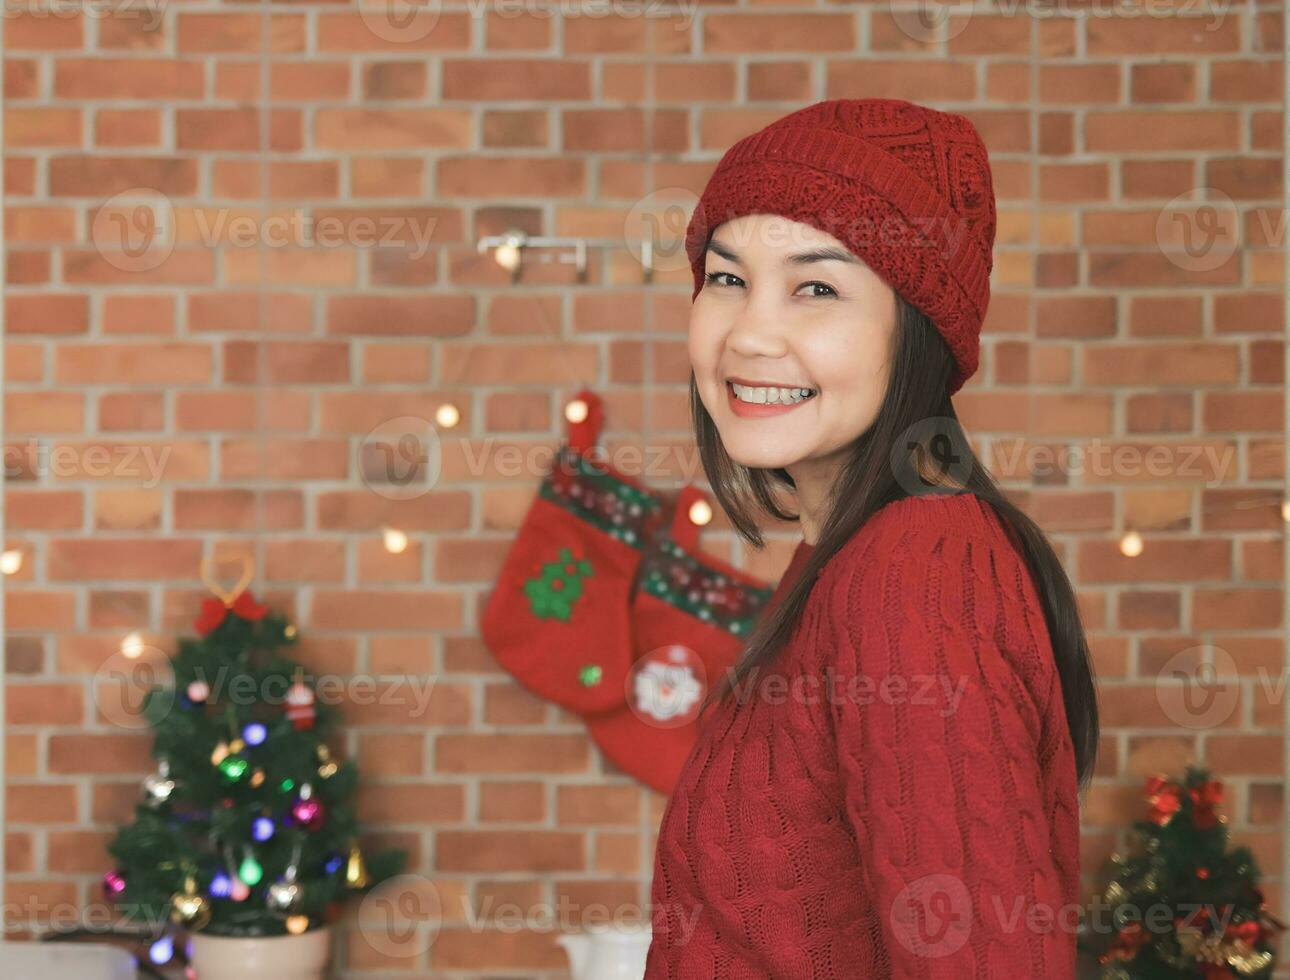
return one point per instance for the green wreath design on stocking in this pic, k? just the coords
(553, 593)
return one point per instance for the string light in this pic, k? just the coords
(255, 733)
(250, 870)
(507, 255)
(10, 561)
(1131, 544)
(447, 415)
(577, 411)
(700, 512)
(162, 951)
(396, 542)
(132, 646)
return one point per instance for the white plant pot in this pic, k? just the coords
(302, 957)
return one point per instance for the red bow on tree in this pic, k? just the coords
(1165, 799)
(1205, 798)
(214, 611)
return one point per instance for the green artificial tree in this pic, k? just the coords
(1184, 904)
(247, 828)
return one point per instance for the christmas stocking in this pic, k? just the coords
(690, 615)
(558, 616)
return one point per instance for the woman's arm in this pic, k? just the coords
(940, 688)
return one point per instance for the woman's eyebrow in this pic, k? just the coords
(826, 254)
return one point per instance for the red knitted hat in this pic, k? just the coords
(906, 188)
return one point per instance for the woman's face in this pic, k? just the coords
(786, 307)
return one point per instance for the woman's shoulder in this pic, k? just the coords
(921, 535)
(926, 517)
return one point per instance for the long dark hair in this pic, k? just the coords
(918, 390)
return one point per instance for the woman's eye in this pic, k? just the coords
(713, 276)
(822, 285)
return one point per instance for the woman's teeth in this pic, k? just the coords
(771, 396)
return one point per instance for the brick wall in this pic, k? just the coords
(250, 370)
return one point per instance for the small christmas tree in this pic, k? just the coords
(1184, 905)
(247, 828)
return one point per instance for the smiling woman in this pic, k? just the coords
(789, 310)
(910, 809)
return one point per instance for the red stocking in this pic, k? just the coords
(690, 615)
(558, 616)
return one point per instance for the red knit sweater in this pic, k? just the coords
(916, 818)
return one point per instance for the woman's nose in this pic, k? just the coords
(758, 331)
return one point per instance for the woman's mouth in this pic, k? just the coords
(760, 401)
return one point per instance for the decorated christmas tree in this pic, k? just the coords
(1183, 904)
(247, 827)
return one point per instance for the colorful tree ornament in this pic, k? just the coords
(300, 705)
(250, 870)
(308, 811)
(162, 951)
(113, 884)
(255, 733)
(356, 875)
(188, 908)
(158, 787)
(285, 895)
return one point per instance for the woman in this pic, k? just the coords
(887, 783)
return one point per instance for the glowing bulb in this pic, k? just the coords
(1285, 511)
(577, 411)
(132, 646)
(10, 561)
(447, 415)
(396, 542)
(221, 886)
(250, 871)
(508, 256)
(1131, 545)
(700, 512)
(162, 951)
(297, 924)
(262, 829)
(255, 733)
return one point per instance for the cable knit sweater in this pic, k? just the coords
(896, 796)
